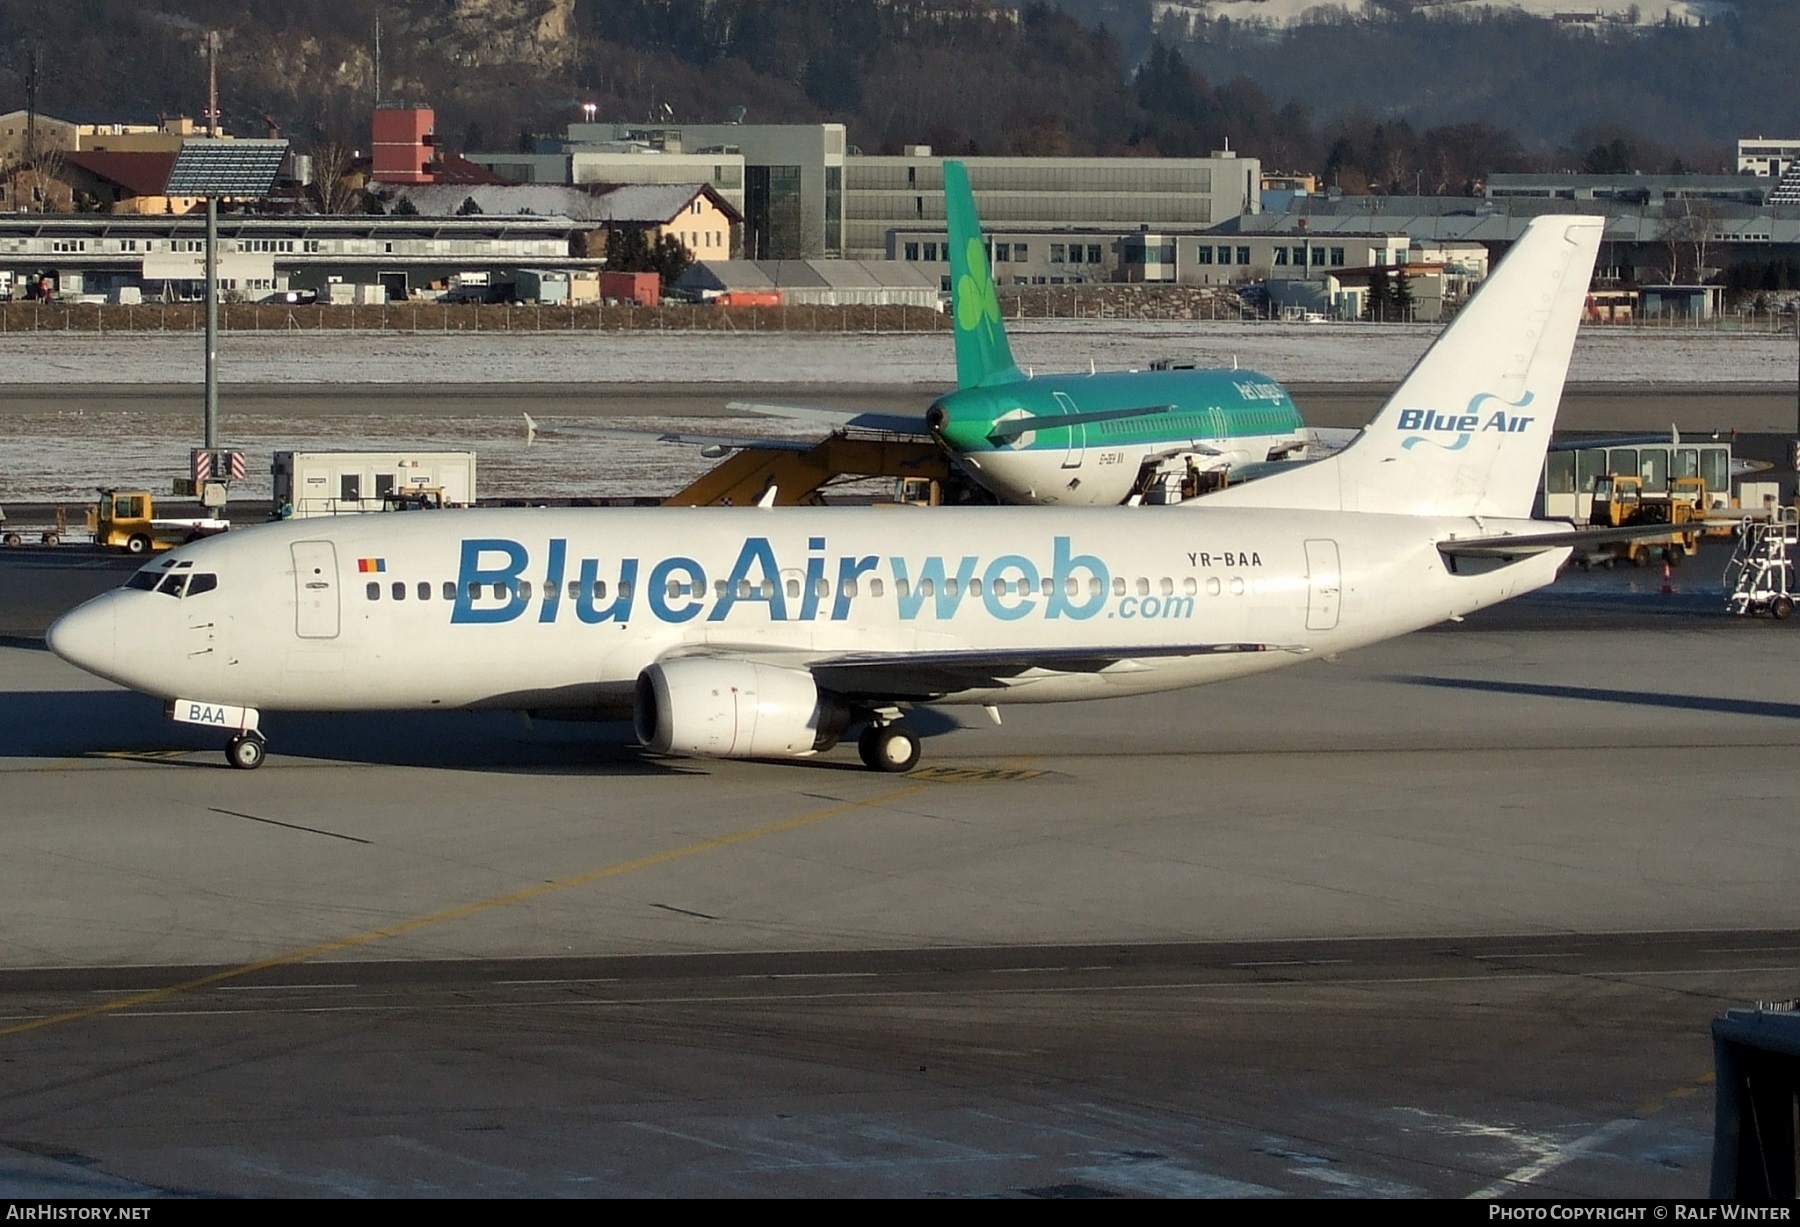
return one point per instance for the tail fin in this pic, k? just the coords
(982, 354)
(1465, 433)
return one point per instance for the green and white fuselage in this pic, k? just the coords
(1090, 439)
(1117, 426)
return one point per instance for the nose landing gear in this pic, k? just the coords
(247, 750)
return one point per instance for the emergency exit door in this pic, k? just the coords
(315, 589)
(1324, 585)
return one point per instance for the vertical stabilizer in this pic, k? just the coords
(1465, 433)
(982, 354)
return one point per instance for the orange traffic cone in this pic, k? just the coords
(1668, 587)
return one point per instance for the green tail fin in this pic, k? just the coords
(982, 354)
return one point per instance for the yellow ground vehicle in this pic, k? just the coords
(414, 498)
(1620, 501)
(126, 519)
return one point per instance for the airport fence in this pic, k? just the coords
(430, 317)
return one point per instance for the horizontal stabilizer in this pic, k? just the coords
(1012, 428)
(851, 419)
(1509, 545)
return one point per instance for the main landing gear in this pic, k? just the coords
(888, 745)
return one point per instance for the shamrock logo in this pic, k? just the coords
(975, 297)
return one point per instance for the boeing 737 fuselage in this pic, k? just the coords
(752, 632)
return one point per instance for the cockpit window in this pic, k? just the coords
(172, 584)
(202, 582)
(145, 580)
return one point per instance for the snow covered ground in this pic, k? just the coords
(1293, 353)
(50, 450)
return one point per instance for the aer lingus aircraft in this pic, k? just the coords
(768, 633)
(1085, 439)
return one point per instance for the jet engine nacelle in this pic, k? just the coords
(734, 709)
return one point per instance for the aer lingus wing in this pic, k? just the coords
(908, 425)
(711, 443)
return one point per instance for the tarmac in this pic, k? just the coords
(1446, 917)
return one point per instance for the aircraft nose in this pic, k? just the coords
(88, 635)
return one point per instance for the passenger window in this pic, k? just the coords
(1048, 586)
(874, 588)
(1168, 586)
(399, 590)
(1189, 586)
(551, 591)
(624, 590)
(574, 590)
(1212, 585)
(524, 590)
(950, 587)
(793, 589)
(500, 592)
(1143, 586)
(821, 587)
(849, 588)
(202, 583)
(449, 590)
(768, 590)
(1119, 586)
(720, 588)
(927, 588)
(902, 588)
(474, 591)
(1071, 586)
(172, 584)
(1237, 587)
(1095, 587)
(974, 587)
(674, 590)
(743, 590)
(424, 590)
(374, 590)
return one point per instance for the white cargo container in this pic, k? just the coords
(339, 483)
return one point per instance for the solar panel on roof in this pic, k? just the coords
(226, 168)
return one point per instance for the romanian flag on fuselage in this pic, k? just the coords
(366, 565)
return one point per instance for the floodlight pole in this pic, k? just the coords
(212, 323)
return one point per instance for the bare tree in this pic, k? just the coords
(332, 158)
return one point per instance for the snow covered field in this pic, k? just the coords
(1293, 353)
(52, 450)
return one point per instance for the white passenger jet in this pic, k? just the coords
(768, 633)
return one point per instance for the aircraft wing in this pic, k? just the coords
(764, 442)
(929, 675)
(839, 419)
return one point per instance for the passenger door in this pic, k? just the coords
(1324, 584)
(1077, 434)
(315, 589)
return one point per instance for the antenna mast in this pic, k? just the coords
(212, 83)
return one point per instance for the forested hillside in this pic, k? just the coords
(1396, 104)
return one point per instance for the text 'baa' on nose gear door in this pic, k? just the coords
(315, 589)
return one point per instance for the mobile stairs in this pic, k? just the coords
(1759, 578)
